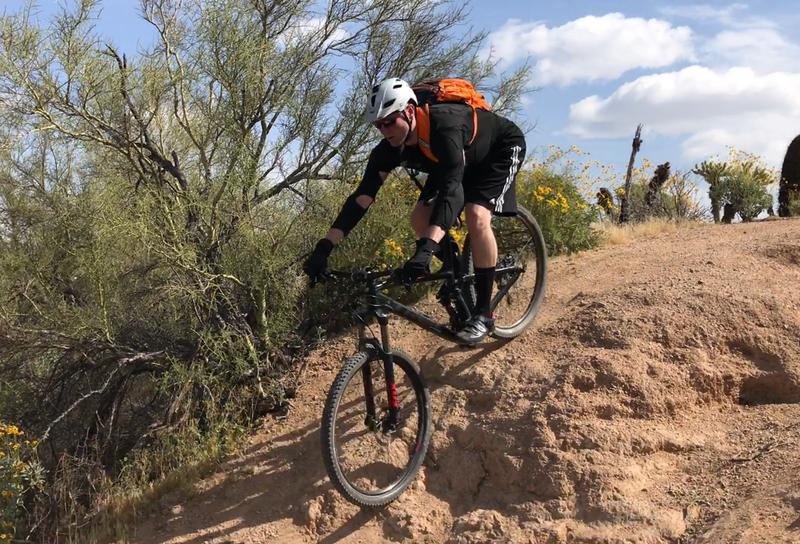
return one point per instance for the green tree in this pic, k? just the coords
(743, 192)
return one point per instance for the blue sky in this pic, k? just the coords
(699, 76)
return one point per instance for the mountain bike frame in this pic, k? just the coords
(377, 303)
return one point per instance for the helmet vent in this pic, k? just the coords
(372, 101)
(389, 103)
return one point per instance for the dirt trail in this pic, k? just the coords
(655, 400)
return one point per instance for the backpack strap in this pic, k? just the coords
(474, 124)
(424, 132)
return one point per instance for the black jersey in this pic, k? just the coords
(451, 131)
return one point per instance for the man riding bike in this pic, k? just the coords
(468, 168)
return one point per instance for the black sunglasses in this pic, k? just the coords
(385, 123)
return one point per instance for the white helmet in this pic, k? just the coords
(390, 96)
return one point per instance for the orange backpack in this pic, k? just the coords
(444, 90)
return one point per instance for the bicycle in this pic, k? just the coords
(393, 423)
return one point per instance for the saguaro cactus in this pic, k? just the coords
(790, 177)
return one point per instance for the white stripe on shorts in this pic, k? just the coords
(512, 172)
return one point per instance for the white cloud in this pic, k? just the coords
(312, 29)
(732, 16)
(744, 39)
(742, 91)
(737, 107)
(767, 136)
(592, 48)
(762, 49)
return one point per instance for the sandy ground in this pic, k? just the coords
(655, 400)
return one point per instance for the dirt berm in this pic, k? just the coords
(656, 399)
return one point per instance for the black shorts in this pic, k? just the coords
(493, 183)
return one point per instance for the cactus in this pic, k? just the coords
(712, 172)
(790, 177)
(605, 199)
(657, 182)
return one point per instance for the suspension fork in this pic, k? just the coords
(388, 365)
(384, 354)
(366, 375)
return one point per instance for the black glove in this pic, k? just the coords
(317, 262)
(419, 265)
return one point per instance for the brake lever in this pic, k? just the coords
(323, 276)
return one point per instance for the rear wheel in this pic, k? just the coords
(521, 266)
(368, 462)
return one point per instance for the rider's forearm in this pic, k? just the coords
(335, 235)
(354, 209)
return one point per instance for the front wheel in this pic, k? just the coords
(368, 460)
(522, 254)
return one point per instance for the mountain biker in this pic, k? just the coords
(479, 177)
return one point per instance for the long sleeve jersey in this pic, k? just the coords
(451, 129)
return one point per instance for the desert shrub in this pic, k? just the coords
(745, 196)
(733, 182)
(20, 478)
(549, 190)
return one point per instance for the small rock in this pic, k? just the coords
(793, 499)
(400, 526)
(313, 512)
(691, 513)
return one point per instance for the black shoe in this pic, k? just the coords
(476, 329)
